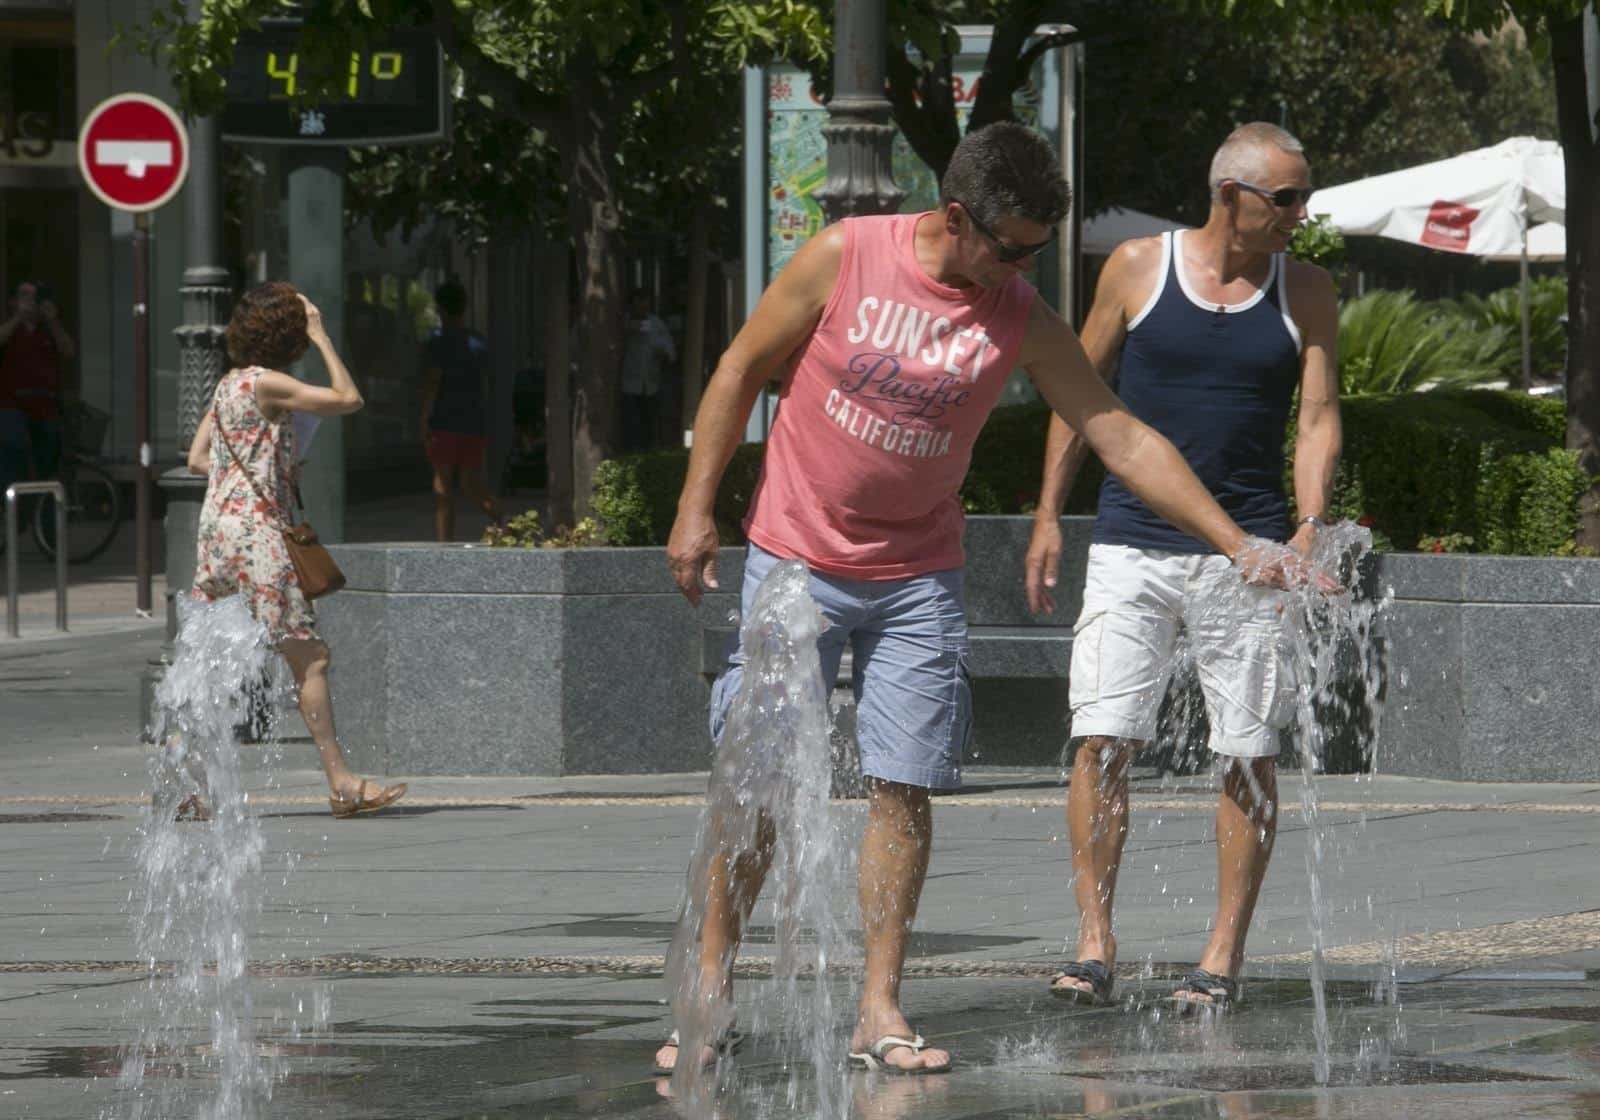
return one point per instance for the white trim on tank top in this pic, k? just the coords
(1213, 305)
(1161, 283)
(1283, 306)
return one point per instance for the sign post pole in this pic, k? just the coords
(143, 558)
(133, 151)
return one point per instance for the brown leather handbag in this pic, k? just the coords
(314, 567)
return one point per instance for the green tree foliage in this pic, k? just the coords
(1365, 92)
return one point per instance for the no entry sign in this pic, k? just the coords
(133, 151)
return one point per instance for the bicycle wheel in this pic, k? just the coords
(94, 513)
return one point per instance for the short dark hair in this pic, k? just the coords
(451, 298)
(1006, 169)
(268, 327)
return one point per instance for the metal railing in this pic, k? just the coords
(13, 492)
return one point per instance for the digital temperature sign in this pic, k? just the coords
(388, 92)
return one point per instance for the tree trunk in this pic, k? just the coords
(1575, 122)
(694, 325)
(590, 160)
(558, 387)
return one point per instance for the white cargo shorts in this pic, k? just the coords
(1136, 603)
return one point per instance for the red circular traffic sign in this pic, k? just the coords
(133, 151)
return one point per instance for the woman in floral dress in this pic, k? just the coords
(240, 550)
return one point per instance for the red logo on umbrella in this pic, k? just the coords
(1449, 226)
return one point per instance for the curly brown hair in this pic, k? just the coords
(268, 327)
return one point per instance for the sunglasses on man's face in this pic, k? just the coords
(1003, 249)
(1284, 198)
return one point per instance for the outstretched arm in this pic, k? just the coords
(787, 313)
(1065, 449)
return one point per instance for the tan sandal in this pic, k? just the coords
(361, 804)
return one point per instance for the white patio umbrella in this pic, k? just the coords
(1105, 231)
(1547, 243)
(1481, 203)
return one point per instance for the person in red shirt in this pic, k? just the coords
(33, 349)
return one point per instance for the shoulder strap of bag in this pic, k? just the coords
(216, 426)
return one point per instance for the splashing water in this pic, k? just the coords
(768, 800)
(195, 895)
(1338, 683)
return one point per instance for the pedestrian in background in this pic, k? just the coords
(34, 349)
(246, 447)
(455, 411)
(646, 348)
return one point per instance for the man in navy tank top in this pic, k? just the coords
(1207, 334)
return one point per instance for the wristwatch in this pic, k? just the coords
(1312, 519)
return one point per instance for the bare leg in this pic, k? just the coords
(894, 863)
(444, 504)
(1097, 823)
(1247, 825)
(735, 882)
(308, 660)
(476, 488)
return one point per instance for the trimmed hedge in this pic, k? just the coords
(1479, 463)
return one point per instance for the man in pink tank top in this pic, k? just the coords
(893, 337)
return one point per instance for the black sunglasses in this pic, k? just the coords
(1006, 251)
(1284, 198)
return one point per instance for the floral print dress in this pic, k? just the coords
(240, 549)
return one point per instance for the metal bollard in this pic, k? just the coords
(13, 492)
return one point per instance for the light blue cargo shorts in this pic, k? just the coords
(909, 655)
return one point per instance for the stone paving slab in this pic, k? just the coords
(494, 946)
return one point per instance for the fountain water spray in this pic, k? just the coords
(768, 802)
(196, 892)
(1338, 682)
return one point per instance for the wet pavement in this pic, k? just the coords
(575, 1046)
(494, 947)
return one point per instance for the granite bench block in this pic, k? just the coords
(456, 660)
(1491, 668)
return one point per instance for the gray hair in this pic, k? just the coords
(1240, 156)
(1007, 169)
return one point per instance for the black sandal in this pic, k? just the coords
(1220, 992)
(1100, 979)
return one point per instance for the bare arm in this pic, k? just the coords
(8, 327)
(1133, 451)
(1319, 433)
(278, 393)
(200, 447)
(787, 313)
(1065, 450)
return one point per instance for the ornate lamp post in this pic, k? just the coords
(206, 293)
(860, 137)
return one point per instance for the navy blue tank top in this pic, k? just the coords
(1217, 380)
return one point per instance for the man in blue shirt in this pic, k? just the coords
(455, 413)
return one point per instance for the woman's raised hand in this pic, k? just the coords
(314, 329)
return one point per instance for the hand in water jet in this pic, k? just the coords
(1264, 563)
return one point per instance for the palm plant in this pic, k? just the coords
(1547, 328)
(1390, 342)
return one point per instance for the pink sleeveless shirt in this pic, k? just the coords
(879, 412)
